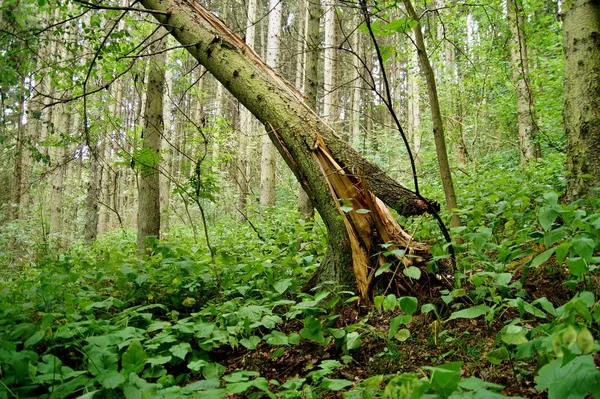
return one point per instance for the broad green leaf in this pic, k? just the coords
(546, 305)
(476, 384)
(35, 338)
(203, 385)
(445, 378)
(402, 335)
(282, 285)
(353, 340)
(409, 304)
(542, 258)
(547, 216)
(101, 361)
(250, 342)
(134, 358)
(383, 268)
(213, 371)
(412, 272)
(65, 389)
(276, 338)
(389, 303)
(333, 384)
(553, 236)
(428, 307)
(111, 379)
(584, 247)
(498, 355)
(470, 313)
(180, 350)
(197, 365)
(574, 380)
(156, 360)
(577, 266)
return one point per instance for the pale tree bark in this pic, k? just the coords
(90, 230)
(61, 116)
(414, 105)
(245, 127)
(268, 152)
(166, 138)
(310, 83)
(582, 98)
(357, 86)
(529, 148)
(329, 62)
(331, 172)
(436, 116)
(149, 188)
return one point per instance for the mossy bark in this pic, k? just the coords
(582, 97)
(326, 166)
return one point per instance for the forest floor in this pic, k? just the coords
(463, 340)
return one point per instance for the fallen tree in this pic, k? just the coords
(349, 192)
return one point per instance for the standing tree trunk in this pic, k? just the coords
(436, 116)
(246, 126)
(414, 106)
(329, 63)
(348, 191)
(311, 84)
(357, 83)
(90, 230)
(149, 191)
(167, 136)
(582, 98)
(267, 163)
(529, 148)
(17, 173)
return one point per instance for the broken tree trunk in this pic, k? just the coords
(349, 192)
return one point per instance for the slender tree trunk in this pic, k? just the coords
(414, 106)
(310, 84)
(245, 127)
(331, 172)
(62, 123)
(149, 188)
(357, 85)
(582, 98)
(529, 148)
(268, 160)
(436, 116)
(90, 230)
(18, 166)
(165, 175)
(329, 63)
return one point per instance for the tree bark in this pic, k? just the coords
(267, 162)
(582, 98)
(90, 230)
(310, 84)
(149, 188)
(436, 116)
(529, 148)
(246, 126)
(330, 171)
(414, 106)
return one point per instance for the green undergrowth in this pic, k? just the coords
(522, 319)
